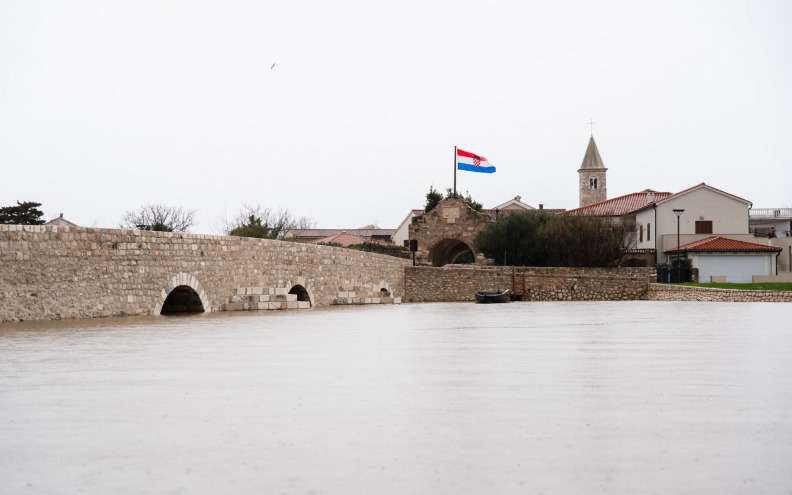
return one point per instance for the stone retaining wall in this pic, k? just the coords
(72, 272)
(460, 282)
(663, 292)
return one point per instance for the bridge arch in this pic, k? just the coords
(446, 251)
(303, 289)
(384, 288)
(183, 293)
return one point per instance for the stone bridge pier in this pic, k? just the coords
(69, 272)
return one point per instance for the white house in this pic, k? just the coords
(711, 227)
(402, 233)
(514, 204)
(706, 211)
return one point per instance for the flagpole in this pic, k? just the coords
(455, 169)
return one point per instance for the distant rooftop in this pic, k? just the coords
(366, 231)
(61, 222)
(347, 239)
(781, 213)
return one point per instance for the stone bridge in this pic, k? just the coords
(68, 272)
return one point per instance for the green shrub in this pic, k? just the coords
(538, 238)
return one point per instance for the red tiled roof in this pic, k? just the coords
(347, 239)
(491, 212)
(298, 233)
(718, 243)
(621, 205)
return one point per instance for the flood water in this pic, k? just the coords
(624, 397)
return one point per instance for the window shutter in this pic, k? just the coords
(703, 226)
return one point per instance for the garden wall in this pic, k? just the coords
(460, 282)
(663, 292)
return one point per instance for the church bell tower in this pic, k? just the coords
(592, 172)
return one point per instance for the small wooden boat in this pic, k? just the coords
(493, 297)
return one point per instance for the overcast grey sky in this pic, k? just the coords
(108, 105)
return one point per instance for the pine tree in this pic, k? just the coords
(26, 213)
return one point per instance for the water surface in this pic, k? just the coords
(623, 397)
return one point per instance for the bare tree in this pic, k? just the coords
(159, 217)
(276, 222)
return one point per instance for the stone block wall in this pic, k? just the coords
(460, 282)
(51, 272)
(664, 292)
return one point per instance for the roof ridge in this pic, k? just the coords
(709, 186)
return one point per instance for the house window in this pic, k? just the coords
(640, 233)
(648, 231)
(703, 226)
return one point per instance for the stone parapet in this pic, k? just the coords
(460, 282)
(663, 292)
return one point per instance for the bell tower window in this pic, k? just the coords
(593, 183)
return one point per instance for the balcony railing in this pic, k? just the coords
(771, 212)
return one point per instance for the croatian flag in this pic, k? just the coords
(473, 163)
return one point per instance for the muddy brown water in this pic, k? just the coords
(595, 397)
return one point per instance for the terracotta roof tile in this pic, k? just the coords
(621, 205)
(347, 239)
(328, 232)
(718, 243)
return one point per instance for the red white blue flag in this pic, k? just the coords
(473, 162)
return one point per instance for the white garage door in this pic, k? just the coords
(738, 269)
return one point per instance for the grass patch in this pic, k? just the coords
(787, 286)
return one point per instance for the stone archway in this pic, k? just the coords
(183, 293)
(447, 231)
(446, 251)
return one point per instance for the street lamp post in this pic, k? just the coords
(678, 212)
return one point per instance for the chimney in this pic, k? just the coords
(650, 196)
(541, 206)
